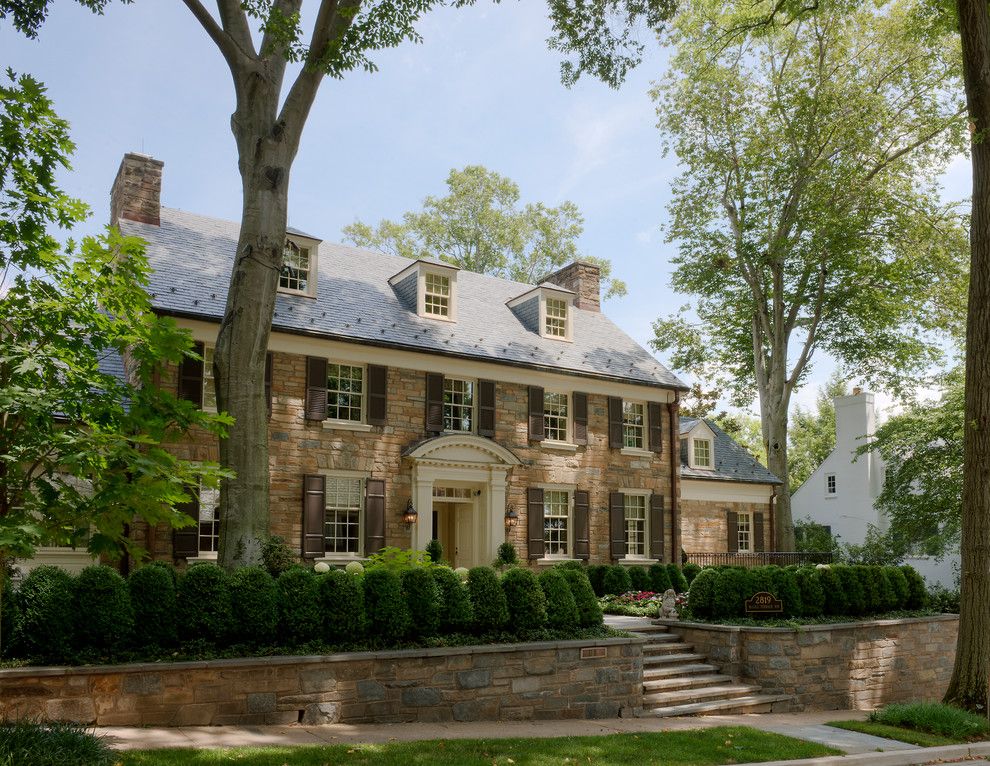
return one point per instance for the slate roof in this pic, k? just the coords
(191, 257)
(733, 462)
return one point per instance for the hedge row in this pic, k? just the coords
(614, 579)
(55, 617)
(838, 590)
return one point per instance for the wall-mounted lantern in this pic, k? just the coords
(410, 516)
(511, 517)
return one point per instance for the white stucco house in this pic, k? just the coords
(841, 493)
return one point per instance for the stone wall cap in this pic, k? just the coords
(807, 628)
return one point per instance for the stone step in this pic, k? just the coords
(703, 694)
(672, 659)
(671, 671)
(675, 647)
(696, 681)
(661, 638)
(757, 703)
(644, 628)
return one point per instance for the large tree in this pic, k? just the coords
(807, 214)
(479, 226)
(258, 40)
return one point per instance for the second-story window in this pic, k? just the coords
(295, 269)
(830, 484)
(556, 318)
(345, 392)
(209, 391)
(437, 299)
(458, 405)
(702, 453)
(634, 425)
(555, 416)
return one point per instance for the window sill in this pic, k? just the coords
(297, 293)
(636, 452)
(341, 558)
(831, 497)
(551, 560)
(559, 446)
(347, 425)
(637, 561)
(212, 557)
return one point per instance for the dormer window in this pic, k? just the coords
(555, 321)
(299, 260)
(546, 310)
(437, 297)
(702, 453)
(700, 439)
(429, 288)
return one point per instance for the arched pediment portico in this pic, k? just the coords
(461, 450)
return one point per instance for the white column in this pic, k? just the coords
(496, 511)
(423, 500)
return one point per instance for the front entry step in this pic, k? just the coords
(756, 703)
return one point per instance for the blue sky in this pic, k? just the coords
(481, 89)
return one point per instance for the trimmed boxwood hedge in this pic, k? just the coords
(589, 610)
(456, 614)
(103, 612)
(638, 578)
(616, 580)
(202, 605)
(677, 579)
(917, 592)
(45, 626)
(342, 607)
(562, 612)
(690, 571)
(254, 601)
(152, 593)
(701, 595)
(423, 600)
(491, 611)
(525, 600)
(596, 576)
(659, 578)
(388, 614)
(300, 617)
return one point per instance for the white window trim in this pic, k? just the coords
(570, 489)
(346, 558)
(568, 300)
(645, 449)
(831, 495)
(750, 517)
(474, 405)
(451, 275)
(711, 454)
(647, 494)
(207, 376)
(350, 425)
(313, 248)
(554, 444)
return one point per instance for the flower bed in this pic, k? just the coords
(638, 603)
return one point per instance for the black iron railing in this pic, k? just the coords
(780, 558)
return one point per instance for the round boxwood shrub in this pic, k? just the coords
(730, 593)
(836, 601)
(589, 610)
(9, 617)
(300, 618)
(525, 599)
(341, 600)
(491, 611)
(786, 588)
(638, 578)
(169, 568)
(812, 592)
(852, 586)
(690, 571)
(701, 594)
(868, 579)
(456, 615)
(388, 615)
(677, 579)
(202, 604)
(659, 578)
(423, 600)
(885, 589)
(44, 628)
(277, 556)
(596, 576)
(152, 592)
(562, 612)
(616, 580)
(899, 584)
(254, 600)
(917, 592)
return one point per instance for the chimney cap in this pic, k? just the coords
(857, 391)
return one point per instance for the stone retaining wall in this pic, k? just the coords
(858, 666)
(538, 681)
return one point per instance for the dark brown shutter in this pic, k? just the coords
(656, 527)
(314, 513)
(656, 426)
(617, 524)
(614, 422)
(191, 377)
(316, 388)
(534, 521)
(185, 541)
(486, 408)
(268, 382)
(733, 531)
(377, 394)
(758, 543)
(434, 403)
(580, 418)
(537, 426)
(374, 516)
(582, 538)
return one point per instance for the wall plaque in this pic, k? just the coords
(764, 603)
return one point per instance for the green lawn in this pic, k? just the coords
(704, 747)
(922, 738)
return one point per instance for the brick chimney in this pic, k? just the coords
(137, 190)
(584, 279)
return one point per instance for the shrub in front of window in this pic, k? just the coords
(456, 615)
(917, 593)
(44, 629)
(731, 589)
(899, 584)
(589, 610)
(342, 605)
(434, 549)
(254, 600)
(202, 604)
(786, 588)
(812, 592)
(677, 579)
(152, 592)
(853, 588)
(596, 576)
(836, 600)
(423, 599)
(300, 618)
(103, 612)
(690, 571)
(491, 612)
(659, 578)
(277, 556)
(562, 611)
(526, 602)
(701, 594)
(388, 615)
(616, 580)
(638, 578)
(507, 556)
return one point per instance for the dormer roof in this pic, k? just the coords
(731, 461)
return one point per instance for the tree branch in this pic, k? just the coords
(231, 52)
(235, 24)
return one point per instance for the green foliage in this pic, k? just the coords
(852, 588)
(300, 616)
(491, 611)
(836, 602)
(917, 593)
(899, 586)
(434, 549)
(202, 605)
(731, 590)
(388, 616)
(690, 571)
(596, 576)
(341, 600)
(525, 599)
(44, 601)
(254, 601)
(9, 616)
(935, 718)
(456, 615)
(507, 556)
(677, 579)
(812, 593)
(480, 227)
(701, 594)
(423, 600)
(811, 537)
(103, 613)
(886, 595)
(52, 743)
(811, 439)
(871, 588)
(638, 578)
(152, 593)
(943, 599)
(878, 548)
(276, 556)
(562, 611)
(659, 578)
(616, 580)
(589, 610)
(398, 559)
(787, 589)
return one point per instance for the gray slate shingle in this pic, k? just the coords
(191, 257)
(732, 461)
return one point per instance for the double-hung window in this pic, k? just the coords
(458, 405)
(343, 514)
(636, 521)
(634, 425)
(209, 520)
(345, 392)
(556, 522)
(702, 453)
(296, 267)
(437, 295)
(831, 487)
(744, 530)
(555, 319)
(555, 413)
(209, 391)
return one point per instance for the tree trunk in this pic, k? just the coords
(773, 414)
(971, 673)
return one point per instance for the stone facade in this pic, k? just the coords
(858, 666)
(583, 279)
(136, 193)
(705, 523)
(547, 681)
